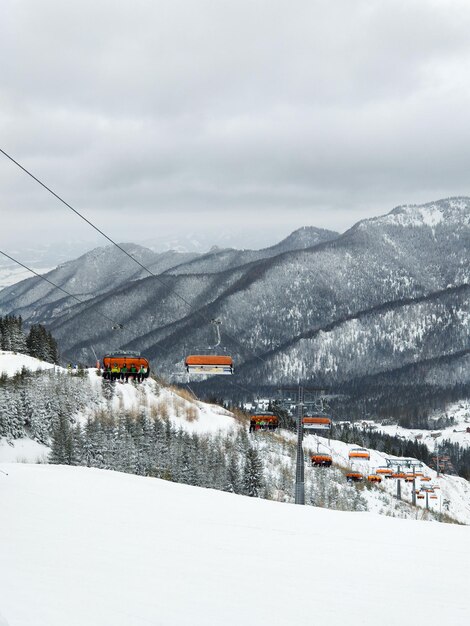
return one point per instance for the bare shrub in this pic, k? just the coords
(191, 413)
(179, 406)
(240, 416)
(159, 409)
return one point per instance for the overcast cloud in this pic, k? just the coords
(154, 117)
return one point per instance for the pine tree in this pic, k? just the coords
(62, 451)
(233, 481)
(253, 474)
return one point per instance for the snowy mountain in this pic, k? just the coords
(105, 269)
(387, 298)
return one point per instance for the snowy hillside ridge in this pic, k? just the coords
(12, 363)
(453, 492)
(125, 426)
(457, 433)
(448, 211)
(106, 549)
(34, 395)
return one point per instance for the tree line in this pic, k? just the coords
(37, 342)
(149, 446)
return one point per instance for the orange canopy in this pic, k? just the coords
(316, 420)
(208, 359)
(110, 360)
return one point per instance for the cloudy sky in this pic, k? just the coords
(250, 117)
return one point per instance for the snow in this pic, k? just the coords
(453, 494)
(89, 547)
(457, 433)
(13, 362)
(22, 451)
(189, 414)
(3, 621)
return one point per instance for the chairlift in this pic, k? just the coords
(316, 422)
(125, 364)
(374, 478)
(213, 364)
(321, 460)
(263, 421)
(354, 477)
(384, 471)
(359, 453)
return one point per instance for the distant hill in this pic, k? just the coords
(390, 293)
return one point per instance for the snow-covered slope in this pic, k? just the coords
(95, 396)
(89, 547)
(453, 492)
(13, 362)
(457, 433)
(179, 407)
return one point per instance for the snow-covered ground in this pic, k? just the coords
(13, 362)
(456, 433)
(22, 450)
(87, 547)
(453, 492)
(185, 412)
(453, 497)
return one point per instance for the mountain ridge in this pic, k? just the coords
(381, 272)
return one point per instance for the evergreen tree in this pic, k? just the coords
(253, 474)
(62, 450)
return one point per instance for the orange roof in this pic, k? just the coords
(264, 418)
(208, 359)
(316, 420)
(359, 454)
(109, 360)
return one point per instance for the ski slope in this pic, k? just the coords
(87, 547)
(13, 362)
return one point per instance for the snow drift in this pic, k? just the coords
(90, 547)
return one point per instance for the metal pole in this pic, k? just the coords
(299, 469)
(413, 495)
(398, 485)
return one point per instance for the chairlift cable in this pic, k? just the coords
(110, 319)
(114, 243)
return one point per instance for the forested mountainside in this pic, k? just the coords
(218, 260)
(390, 293)
(107, 268)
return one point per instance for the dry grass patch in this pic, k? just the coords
(160, 409)
(191, 414)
